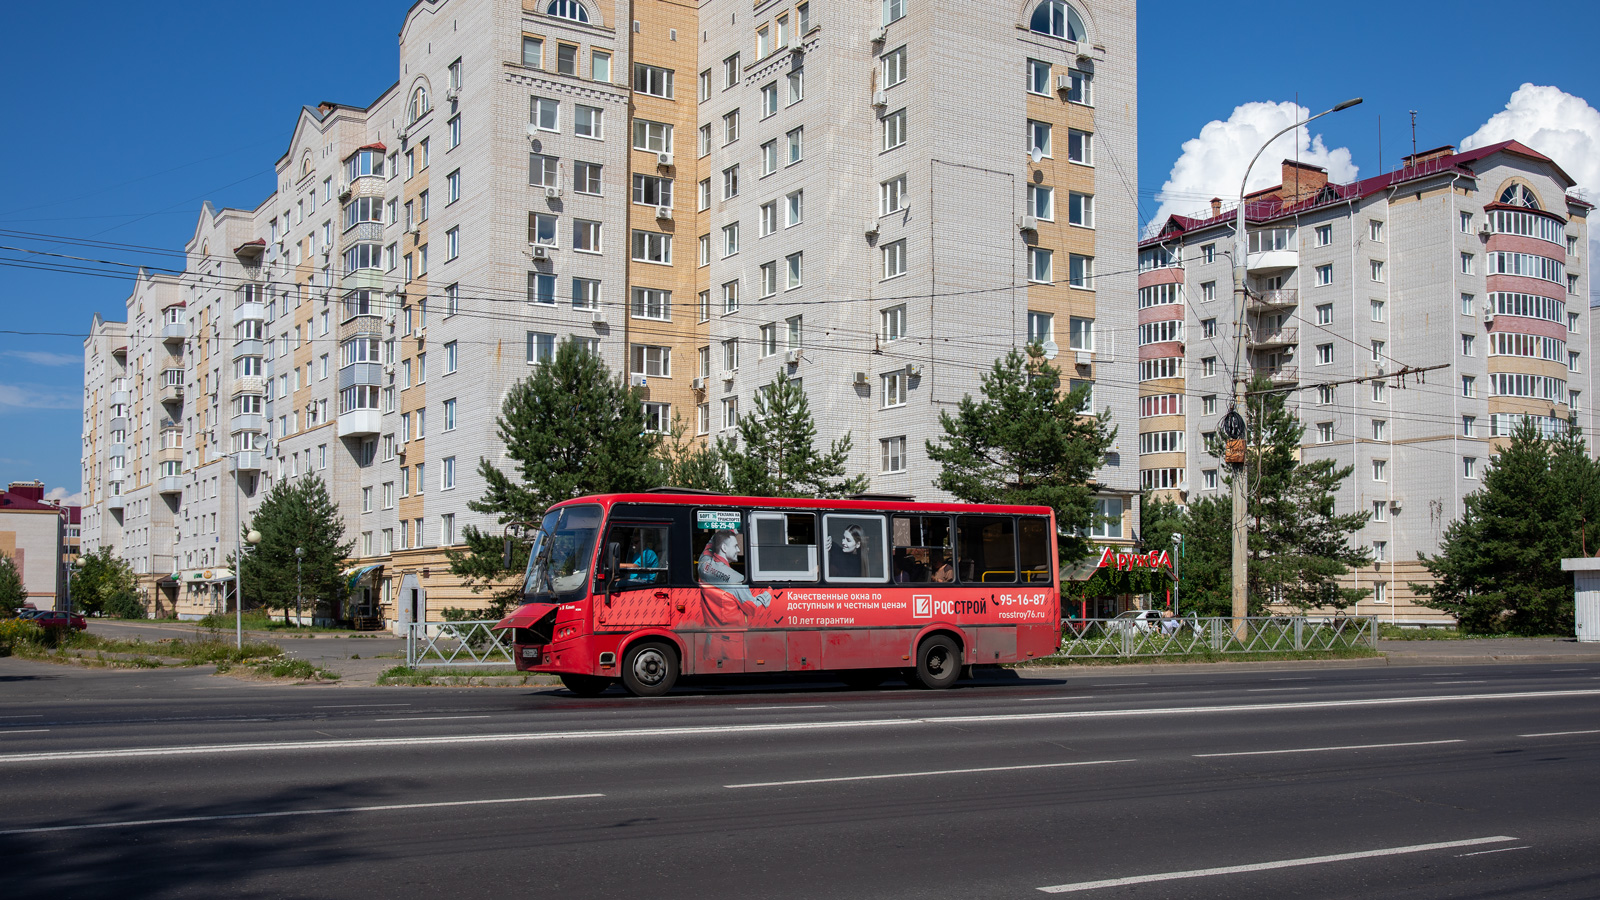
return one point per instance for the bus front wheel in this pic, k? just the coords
(938, 662)
(585, 685)
(649, 669)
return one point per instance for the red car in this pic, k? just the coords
(55, 619)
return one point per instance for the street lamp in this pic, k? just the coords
(299, 554)
(253, 538)
(1233, 425)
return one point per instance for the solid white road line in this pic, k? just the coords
(1479, 681)
(1560, 733)
(431, 718)
(1501, 850)
(1063, 765)
(184, 820)
(1265, 690)
(28, 731)
(360, 705)
(779, 707)
(765, 727)
(1266, 866)
(1325, 749)
(1040, 699)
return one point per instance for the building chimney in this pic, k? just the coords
(1301, 181)
(28, 490)
(1216, 207)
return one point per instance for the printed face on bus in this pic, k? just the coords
(730, 547)
(850, 541)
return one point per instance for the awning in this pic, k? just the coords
(360, 572)
(207, 576)
(528, 615)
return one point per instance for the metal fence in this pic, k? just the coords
(1090, 638)
(472, 643)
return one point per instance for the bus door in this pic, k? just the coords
(640, 596)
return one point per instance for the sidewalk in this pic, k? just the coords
(1488, 650)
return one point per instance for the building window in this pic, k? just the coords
(1108, 511)
(1469, 386)
(541, 348)
(893, 455)
(1324, 354)
(1466, 345)
(730, 128)
(730, 297)
(730, 71)
(1080, 334)
(1466, 263)
(1378, 392)
(893, 10)
(585, 293)
(1377, 269)
(651, 303)
(452, 243)
(1080, 147)
(541, 288)
(599, 66)
(730, 413)
(1038, 76)
(1325, 274)
(894, 259)
(658, 418)
(1466, 222)
(1208, 366)
(1380, 470)
(1325, 314)
(585, 236)
(769, 278)
(1377, 351)
(546, 114)
(795, 262)
(1324, 432)
(586, 122)
(797, 86)
(654, 137)
(1080, 273)
(533, 52)
(1041, 202)
(1375, 230)
(730, 182)
(894, 129)
(652, 80)
(1039, 138)
(794, 208)
(1041, 326)
(730, 239)
(1208, 328)
(769, 99)
(894, 323)
(1377, 310)
(447, 474)
(892, 195)
(651, 247)
(894, 389)
(567, 9)
(1039, 265)
(1469, 467)
(1080, 210)
(769, 217)
(655, 362)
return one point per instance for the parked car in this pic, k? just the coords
(29, 612)
(52, 619)
(1145, 621)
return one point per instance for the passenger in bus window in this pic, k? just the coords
(942, 572)
(642, 560)
(717, 563)
(845, 559)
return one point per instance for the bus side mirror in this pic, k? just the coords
(506, 563)
(613, 559)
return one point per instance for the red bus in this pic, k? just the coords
(643, 588)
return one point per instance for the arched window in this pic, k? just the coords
(1056, 18)
(1519, 195)
(419, 104)
(567, 9)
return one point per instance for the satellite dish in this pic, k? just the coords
(1051, 348)
(1036, 154)
(533, 130)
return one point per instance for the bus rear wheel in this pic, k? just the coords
(585, 685)
(938, 662)
(649, 669)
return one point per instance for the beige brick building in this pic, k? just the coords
(879, 200)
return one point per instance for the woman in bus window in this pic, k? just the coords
(845, 558)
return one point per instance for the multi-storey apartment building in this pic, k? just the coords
(704, 197)
(1472, 262)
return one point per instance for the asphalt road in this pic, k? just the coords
(1417, 782)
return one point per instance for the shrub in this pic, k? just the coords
(124, 605)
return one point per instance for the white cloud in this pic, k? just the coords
(43, 358)
(1212, 164)
(66, 499)
(38, 396)
(1559, 125)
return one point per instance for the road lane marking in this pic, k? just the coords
(27, 731)
(691, 731)
(782, 707)
(32, 716)
(1479, 681)
(1302, 678)
(360, 705)
(1124, 683)
(1062, 765)
(184, 820)
(430, 718)
(1266, 866)
(1326, 749)
(1569, 670)
(1264, 690)
(1037, 699)
(1500, 850)
(1560, 733)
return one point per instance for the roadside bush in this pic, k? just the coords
(124, 605)
(16, 631)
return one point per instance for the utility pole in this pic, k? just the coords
(299, 555)
(1233, 425)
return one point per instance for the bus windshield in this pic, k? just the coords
(558, 564)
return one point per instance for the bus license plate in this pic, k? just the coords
(531, 654)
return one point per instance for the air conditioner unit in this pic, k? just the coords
(597, 317)
(861, 379)
(344, 191)
(1063, 82)
(414, 232)
(388, 368)
(1085, 358)
(1397, 503)
(727, 374)
(420, 334)
(400, 450)
(872, 231)
(913, 370)
(327, 252)
(552, 193)
(792, 357)
(664, 213)
(452, 94)
(797, 44)
(540, 251)
(880, 34)
(664, 159)
(698, 384)
(1484, 230)
(1488, 315)
(880, 99)
(639, 381)
(1028, 223)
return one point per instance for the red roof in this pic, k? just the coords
(1273, 207)
(12, 501)
(374, 146)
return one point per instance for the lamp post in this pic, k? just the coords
(299, 555)
(1177, 555)
(253, 538)
(1233, 424)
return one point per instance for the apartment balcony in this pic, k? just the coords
(170, 484)
(170, 392)
(1268, 262)
(250, 312)
(249, 460)
(116, 503)
(116, 475)
(117, 450)
(1281, 376)
(169, 454)
(251, 422)
(120, 396)
(1260, 301)
(361, 326)
(362, 374)
(1276, 337)
(249, 384)
(249, 348)
(175, 331)
(119, 423)
(360, 423)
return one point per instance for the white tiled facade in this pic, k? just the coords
(376, 353)
(1357, 281)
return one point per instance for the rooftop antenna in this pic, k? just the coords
(1413, 137)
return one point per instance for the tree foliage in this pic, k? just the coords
(12, 592)
(690, 463)
(103, 582)
(297, 513)
(1026, 442)
(1299, 545)
(1499, 565)
(776, 454)
(569, 429)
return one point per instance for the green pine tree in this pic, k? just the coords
(1026, 442)
(295, 514)
(12, 592)
(569, 429)
(776, 455)
(1499, 565)
(690, 463)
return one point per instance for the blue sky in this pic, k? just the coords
(130, 115)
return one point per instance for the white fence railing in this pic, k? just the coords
(1090, 638)
(472, 643)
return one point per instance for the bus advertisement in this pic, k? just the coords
(644, 588)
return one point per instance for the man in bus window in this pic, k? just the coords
(942, 572)
(725, 600)
(642, 560)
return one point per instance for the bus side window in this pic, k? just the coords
(1033, 542)
(644, 555)
(987, 549)
(857, 548)
(785, 547)
(922, 550)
